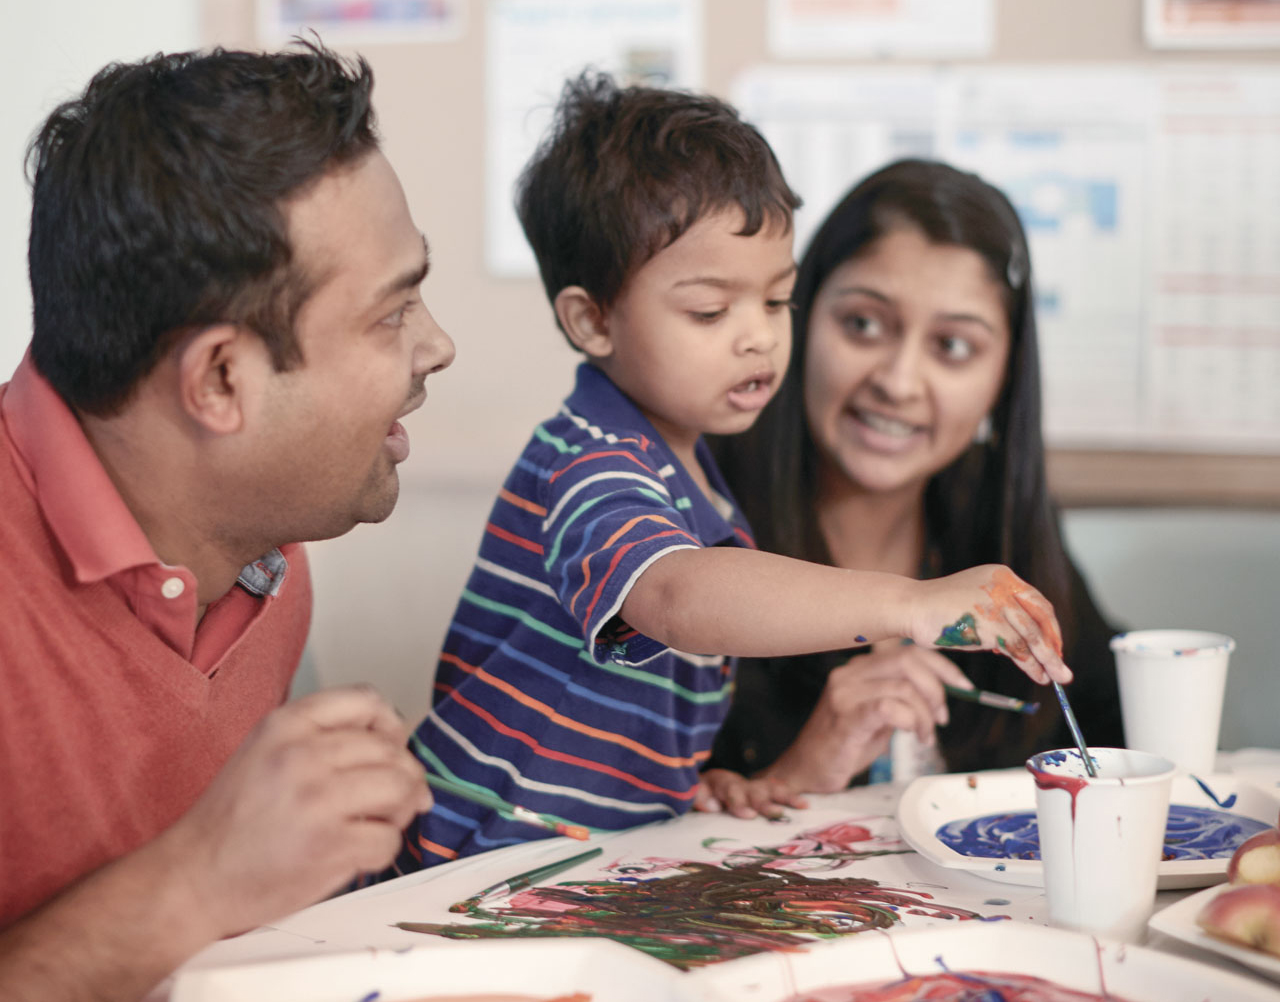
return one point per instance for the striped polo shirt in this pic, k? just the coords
(543, 696)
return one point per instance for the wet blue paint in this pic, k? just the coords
(1191, 833)
(1224, 804)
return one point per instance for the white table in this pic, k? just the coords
(365, 919)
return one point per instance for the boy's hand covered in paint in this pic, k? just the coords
(991, 608)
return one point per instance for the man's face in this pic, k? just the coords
(332, 422)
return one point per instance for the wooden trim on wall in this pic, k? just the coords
(1084, 478)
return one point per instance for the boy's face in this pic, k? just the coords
(700, 336)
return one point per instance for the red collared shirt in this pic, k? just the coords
(117, 708)
(102, 540)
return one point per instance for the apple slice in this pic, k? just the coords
(1246, 913)
(1257, 859)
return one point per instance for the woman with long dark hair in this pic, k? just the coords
(906, 438)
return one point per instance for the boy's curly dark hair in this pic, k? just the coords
(624, 171)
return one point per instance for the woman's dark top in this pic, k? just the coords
(774, 697)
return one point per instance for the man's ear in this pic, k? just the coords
(216, 367)
(583, 321)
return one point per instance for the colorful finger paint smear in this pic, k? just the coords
(958, 986)
(691, 913)
(1191, 833)
(962, 633)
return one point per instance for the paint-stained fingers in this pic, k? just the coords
(1040, 609)
(1030, 650)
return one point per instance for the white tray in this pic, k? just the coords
(1070, 959)
(527, 970)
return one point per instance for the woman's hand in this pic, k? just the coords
(991, 608)
(864, 701)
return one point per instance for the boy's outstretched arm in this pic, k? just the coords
(722, 600)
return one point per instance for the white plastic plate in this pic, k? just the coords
(933, 801)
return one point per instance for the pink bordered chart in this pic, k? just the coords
(1178, 920)
(980, 822)
(1012, 960)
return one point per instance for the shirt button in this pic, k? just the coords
(172, 587)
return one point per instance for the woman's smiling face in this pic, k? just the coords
(908, 344)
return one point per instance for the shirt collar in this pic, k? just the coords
(82, 507)
(597, 398)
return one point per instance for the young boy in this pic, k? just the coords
(662, 228)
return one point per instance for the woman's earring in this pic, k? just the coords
(982, 435)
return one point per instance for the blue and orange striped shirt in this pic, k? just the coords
(543, 696)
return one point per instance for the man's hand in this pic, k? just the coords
(317, 794)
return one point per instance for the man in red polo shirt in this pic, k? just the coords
(227, 330)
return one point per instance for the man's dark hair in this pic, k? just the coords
(624, 171)
(157, 207)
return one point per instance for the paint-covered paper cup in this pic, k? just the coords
(1171, 688)
(1101, 838)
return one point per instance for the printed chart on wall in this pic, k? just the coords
(340, 22)
(1143, 193)
(1211, 24)
(532, 47)
(881, 27)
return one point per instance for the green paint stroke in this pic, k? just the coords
(962, 633)
(1000, 641)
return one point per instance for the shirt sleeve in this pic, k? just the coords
(610, 514)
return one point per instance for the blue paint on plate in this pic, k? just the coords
(1191, 833)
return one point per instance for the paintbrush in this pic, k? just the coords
(993, 699)
(526, 879)
(513, 810)
(1089, 767)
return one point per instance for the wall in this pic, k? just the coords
(1148, 567)
(48, 52)
(385, 593)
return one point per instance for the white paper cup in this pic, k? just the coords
(1171, 687)
(1102, 838)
